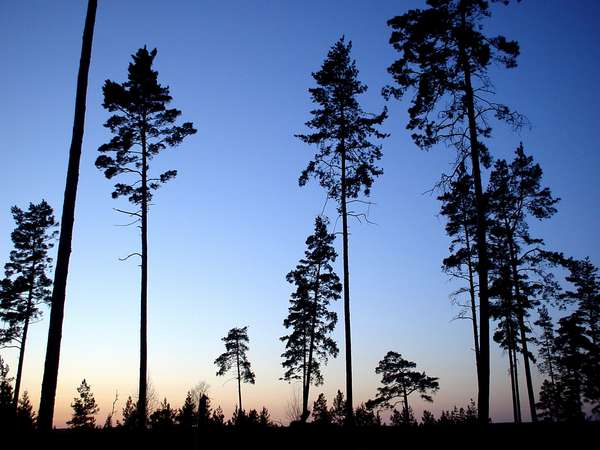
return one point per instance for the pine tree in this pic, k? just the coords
(218, 418)
(163, 418)
(572, 345)
(547, 365)
(583, 275)
(59, 289)
(129, 414)
(187, 413)
(428, 418)
(236, 346)
(320, 411)
(309, 344)
(365, 417)
(143, 127)
(25, 413)
(549, 404)
(264, 418)
(204, 410)
(27, 285)
(399, 382)
(84, 408)
(515, 193)
(446, 58)
(345, 163)
(339, 409)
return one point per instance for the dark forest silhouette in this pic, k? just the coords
(508, 277)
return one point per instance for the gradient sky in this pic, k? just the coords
(225, 232)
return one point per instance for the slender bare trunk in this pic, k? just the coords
(406, 410)
(512, 381)
(23, 343)
(48, 394)
(514, 374)
(142, 399)
(483, 396)
(472, 295)
(349, 402)
(522, 327)
(239, 379)
(517, 388)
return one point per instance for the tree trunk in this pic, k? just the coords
(483, 395)
(512, 382)
(514, 377)
(22, 347)
(472, 297)
(239, 378)
(517, 389)
(304, 414)
(406, 410)
(522, 328)
(349, 402)
(142, 399)
(311, 347)
(48, 394)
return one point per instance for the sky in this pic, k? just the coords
(226, 231)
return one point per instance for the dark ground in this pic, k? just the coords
(506, 436)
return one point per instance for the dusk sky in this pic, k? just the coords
(226, 231)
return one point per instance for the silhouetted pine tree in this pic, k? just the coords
(428, 418)
(143, 127)
(320, 411)
(63, 255)
(583, 275)
(338, 410)
(204, 410)
(164, 417)
(572, 347)
(309, 344)
(186, 416)
(365, 417)
(236, 346)
(84, 408)
(25, 414)
(400, 381)
(218, 418)
(264, 418)
(515, 194)
(129, 414)
(548, 404)
(345, 163)
(27, 285)
(446, 58)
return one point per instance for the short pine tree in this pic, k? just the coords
(84, 408)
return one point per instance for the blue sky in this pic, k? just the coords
(225, 232)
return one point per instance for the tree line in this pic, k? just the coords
(509, 279)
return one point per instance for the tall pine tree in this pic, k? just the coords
(235, 357)
(143, 127)
(27, 285)
(445, 58)
(515, 194)
(345, 163)
(59, 287)
(309, 343)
